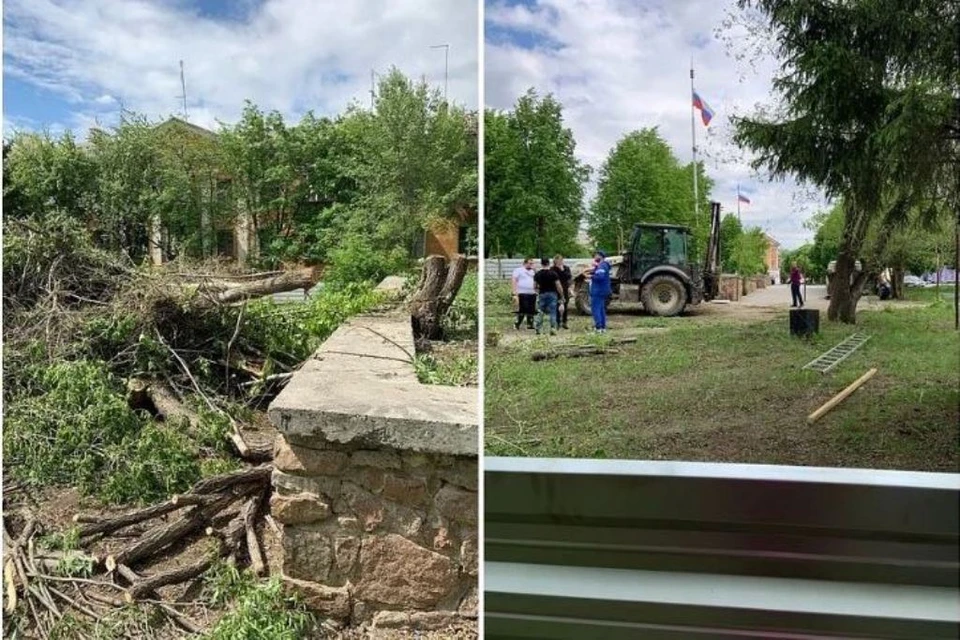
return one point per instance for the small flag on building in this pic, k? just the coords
(742, 198)
(706, 113)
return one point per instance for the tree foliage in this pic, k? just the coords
(385, 174)
(534, 182)
(642, 181)
(868, 111)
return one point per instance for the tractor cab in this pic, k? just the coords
(657, 245)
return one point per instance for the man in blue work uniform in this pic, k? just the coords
(600, 290)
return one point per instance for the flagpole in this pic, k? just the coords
(693, 134)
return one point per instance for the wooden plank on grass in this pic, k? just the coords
(840, 397)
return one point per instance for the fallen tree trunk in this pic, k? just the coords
(291, 281)
(438, 288)
(157, 398)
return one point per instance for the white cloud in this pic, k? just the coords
(288, 55)
(620, 65)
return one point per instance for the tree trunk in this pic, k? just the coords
(896, 283)
(439, 285)
(846, 286)
(300, 279)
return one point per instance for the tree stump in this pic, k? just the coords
(438, 288)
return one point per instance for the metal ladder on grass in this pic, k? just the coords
(838, 354)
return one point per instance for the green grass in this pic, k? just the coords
(722, 390)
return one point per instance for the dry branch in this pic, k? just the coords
(254, 475)
(578, 352)
(158, 539)
(249, 515)
(109, 525)
(178, 618)
(143, 587)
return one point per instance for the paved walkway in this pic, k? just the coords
(779, 296)
(297, 295)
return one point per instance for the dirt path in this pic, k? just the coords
(632, 321)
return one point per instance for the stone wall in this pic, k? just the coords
(367, 531)
(730, 287)
(375, 483)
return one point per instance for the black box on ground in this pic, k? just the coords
(804, 322)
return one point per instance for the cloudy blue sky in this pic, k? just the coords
(620, 65)
(70, 63)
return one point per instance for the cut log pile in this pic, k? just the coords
(224, 510)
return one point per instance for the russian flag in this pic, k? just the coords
(705, 111)
(742, 198)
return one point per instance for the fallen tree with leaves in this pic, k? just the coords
(144, 388)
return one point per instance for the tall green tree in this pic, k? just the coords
(642, 181)
(416, 163)
(534, 181)
(748, 252)
(129, 177)
(730, 232)
(47, 174)
(861, 83)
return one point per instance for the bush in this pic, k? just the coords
(356, 261)
(298, 329)
(73, 427)
(463, 317)
(259, 609)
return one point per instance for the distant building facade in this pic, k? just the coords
(772, 259)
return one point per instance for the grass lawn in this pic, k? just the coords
(732, 390)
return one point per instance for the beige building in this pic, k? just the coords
(772, 259)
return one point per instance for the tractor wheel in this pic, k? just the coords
(582, 298)
(664, 296)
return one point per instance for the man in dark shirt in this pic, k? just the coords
(563, 272)
(548, 291)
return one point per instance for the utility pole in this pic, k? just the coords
(446, 66)
(372, 88)
(183, 87)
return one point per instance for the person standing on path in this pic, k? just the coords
(795, 279)
(524, 293)
(600, 290)
(563, 271)
(549, 292)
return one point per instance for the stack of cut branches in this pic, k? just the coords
(116, 553)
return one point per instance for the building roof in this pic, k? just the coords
(174, 121)
(771, 240)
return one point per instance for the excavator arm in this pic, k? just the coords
(711, 264)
